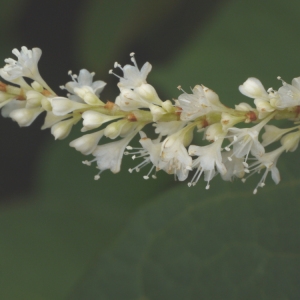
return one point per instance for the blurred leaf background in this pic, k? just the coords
(65, 236)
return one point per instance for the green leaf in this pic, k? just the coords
(228, 245)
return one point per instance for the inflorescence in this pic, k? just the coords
(230, 151)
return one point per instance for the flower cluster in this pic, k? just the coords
(229, 150)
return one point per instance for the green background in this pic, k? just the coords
(65, 236)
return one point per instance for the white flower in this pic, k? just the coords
(109, 156)
(289, 94)
(168, 128)
(11, 106)
(52, 119)
(267, 161)
(87, 143)
(273, 134)
(86, 93)
(25, 116)
(253, 88)
(174, 158)
(234, 166)
(132, 76)
(27, 66)
(291, 141)
(157, 112)
(150, 152)
(84, 79)
(245, 140)
(148, 92)
(264, 107)
(93, 119)
(62, 129)
(243, 106)
(128, 100)
(209, 160)
(62, 106)
(201, 102)
(169, 155)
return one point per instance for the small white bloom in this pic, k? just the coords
(157, 112)
(243, 107)
(264, 107)
(132, 76)
(201, 102)
(150, 152)
(93, 119)
(87, 143)
(33, 99)
(273, 134)
(291, 141)
(174, 158)
(129, 100)
(234, 166)
(289, 94)
(62, 106)
(168, 128)
(245, 140)
(85, 78)
(86, 93)
(62, 129)
(52, 119)
(11, 106)
(209, 160)
(147, 92)
(253, 88)
(25, 116)
(267, 161)
(109, 156)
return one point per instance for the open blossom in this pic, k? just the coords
(109, 156)
(150, 153)
(84, 79)
(245, 141)
(234, 166)
(132, 76)
(209, 161)
(289, 94)
(268, 162)
(201, 102)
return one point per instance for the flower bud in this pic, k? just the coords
(148, 92)
(62, 129)
(93, 119)
(290, 141)
(25, 116)
(243, 107)
(113, 130)
(87, 143)
(87, 94)
(62, 106)
(157, 112)
(253, 88)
